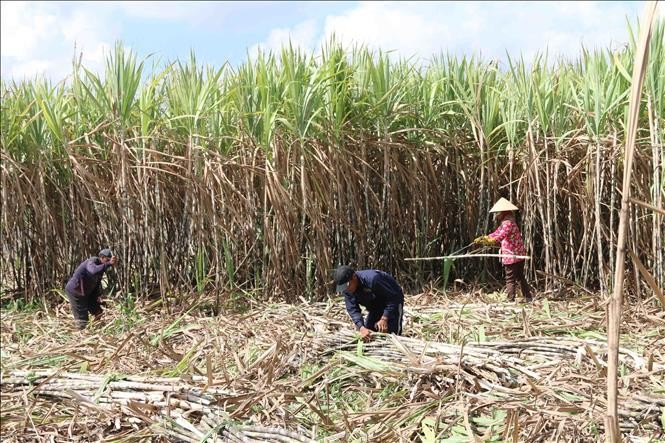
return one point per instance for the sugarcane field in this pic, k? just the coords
(333, 245)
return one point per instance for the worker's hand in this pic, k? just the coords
(382, 325)
(114, 259)
(365, 333)
(484, 240)
(489, 241)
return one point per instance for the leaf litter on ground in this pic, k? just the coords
(466, 369)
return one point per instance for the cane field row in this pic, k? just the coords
(266, 175)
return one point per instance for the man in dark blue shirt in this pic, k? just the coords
(84, 287)
(378, 292)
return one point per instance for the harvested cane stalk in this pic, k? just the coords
(524, 257)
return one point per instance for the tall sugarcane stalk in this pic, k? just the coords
(613, 433)
(286, 166)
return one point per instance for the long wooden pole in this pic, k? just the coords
(612, 432)
(524, 257)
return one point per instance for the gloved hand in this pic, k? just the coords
(485, 240)
(489, 241)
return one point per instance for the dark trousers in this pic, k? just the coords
(394, 321)
(82, 306)
(515, 275)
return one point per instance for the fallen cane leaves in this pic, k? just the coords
(270, 376)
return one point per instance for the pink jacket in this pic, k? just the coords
(511, 241)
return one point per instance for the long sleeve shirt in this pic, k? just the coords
(511, 241)
(87, 278)
(377, 291)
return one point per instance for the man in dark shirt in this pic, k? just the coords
(378, 292)
(84, 287)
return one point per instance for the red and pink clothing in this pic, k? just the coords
(511, 241)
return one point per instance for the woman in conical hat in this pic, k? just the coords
(509, 237)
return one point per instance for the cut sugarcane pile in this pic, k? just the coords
(297, 372)
(169, 403)
(535, 374)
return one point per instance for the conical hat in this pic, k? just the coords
(503, 205)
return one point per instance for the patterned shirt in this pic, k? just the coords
(511, 241)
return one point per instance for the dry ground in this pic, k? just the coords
(469, 367)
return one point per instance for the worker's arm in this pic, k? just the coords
(502, 231)
(94, 269)
(353, 309)
(387, 288)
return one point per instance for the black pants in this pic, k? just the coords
(515, 275)
(394, 321)
(82, 306)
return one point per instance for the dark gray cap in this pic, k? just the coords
(343, 275)
(106, 252)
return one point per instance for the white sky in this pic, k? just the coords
(43, 37)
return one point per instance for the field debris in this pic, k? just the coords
(294, 373)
